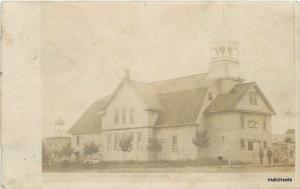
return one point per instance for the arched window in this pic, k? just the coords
(235, 53)
(222, 50)
(229, 50)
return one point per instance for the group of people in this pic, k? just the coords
(261, 155)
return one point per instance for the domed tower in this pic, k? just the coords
(59, 124)
(224, 61)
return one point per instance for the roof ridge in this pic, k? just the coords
(102, 98)
(153, 82)
(185, 90)
(141, 82)
(246, 83)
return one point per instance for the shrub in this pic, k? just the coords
(90, 149)
(200, 140)
(125, 144)
(154, 145)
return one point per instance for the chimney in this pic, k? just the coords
(127, 75)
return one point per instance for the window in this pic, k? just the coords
(242, 144)
(116, 142)
(174, 143)
(265, 144)
(252, 124)
(138, 141)
(265, 124)
(124, 116)
(108, 142)
(131, 116)
(116, 116)
(253, 98)
(77, 140)
(210, 96)
(223, 139)
(222, 50)
(242, 120)
(250, 146)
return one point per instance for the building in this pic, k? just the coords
(55, 142)
(236, 115)
(283, 146)
(290, 135)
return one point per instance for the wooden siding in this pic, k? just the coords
(126, 98)
(135, 154)
(261, 106)
(185, 147)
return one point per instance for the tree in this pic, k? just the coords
(200, 140)
(66, 151)
(90, 149)
(154, 146)
(288, 140)
(126, 144)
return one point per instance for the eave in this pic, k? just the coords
(241, 110)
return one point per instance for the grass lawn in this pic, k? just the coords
(167, 167)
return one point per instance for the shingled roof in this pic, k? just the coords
(90, 120)
(183, 83)
(181, 107)
(228, 101)
(148, 94)
(178, 101)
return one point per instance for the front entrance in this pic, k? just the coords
(256, 146)
(255, 152)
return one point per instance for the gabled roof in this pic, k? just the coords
(147, 93)
(181, 107)
(178, 101)
(90, 120)
(228, 101)
(183, 83)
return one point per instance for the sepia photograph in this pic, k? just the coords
(166, 87)
(163, 91)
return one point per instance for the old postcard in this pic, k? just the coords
(150, 95)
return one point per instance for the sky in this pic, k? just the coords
(87, 46)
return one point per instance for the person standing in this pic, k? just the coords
(269, 155)
(276, 155)
(261, 156)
